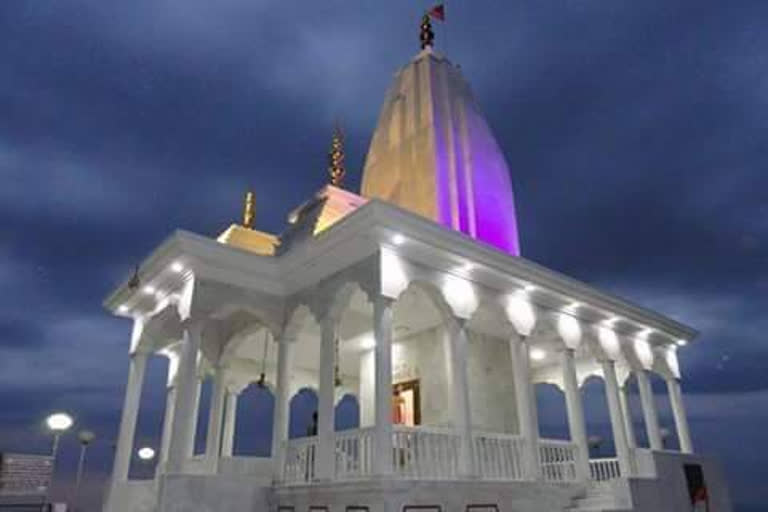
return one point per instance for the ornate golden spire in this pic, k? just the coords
(249, 210)
(427, 37)
(336, 158)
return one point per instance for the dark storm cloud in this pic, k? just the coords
(635, 131)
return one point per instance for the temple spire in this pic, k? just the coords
(336, 158)
(249, 210)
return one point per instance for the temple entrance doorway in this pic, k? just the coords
(406, 403)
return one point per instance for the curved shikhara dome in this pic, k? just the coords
(433, 153)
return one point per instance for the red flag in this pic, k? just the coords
(437, 12)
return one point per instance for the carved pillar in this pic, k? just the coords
(576, 424)
(286, 349)
(187, 394)
(382, 331)
(136, 370)
(617, 419)
(649, 410)
(526, 404)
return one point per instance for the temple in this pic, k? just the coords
(412, 299)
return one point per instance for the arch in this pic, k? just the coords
(298, 318)
(343, 296)
(669, 438)
(490, 317)
(301, 407)
(256, 335)
(431, 291)
(347, 412)
(254, 421)
(597, 416)
(552, 411)
(228, 311)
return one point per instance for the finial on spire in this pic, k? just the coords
(248, 210)
(336, 158)
(427, 37)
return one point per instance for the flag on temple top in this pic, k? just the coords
(437, 12)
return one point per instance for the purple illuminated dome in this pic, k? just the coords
(433, 153)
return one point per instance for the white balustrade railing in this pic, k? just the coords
(425, 452)
(558, 460)
(603, 470)
(499, 456)
(300, 456)
(354, 454)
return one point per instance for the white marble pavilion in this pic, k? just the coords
(411, 297)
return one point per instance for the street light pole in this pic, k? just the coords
(57, 423)
(85, 437)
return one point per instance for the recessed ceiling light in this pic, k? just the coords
(573, 306)
(398, 239)
(148, 290)
(177, 267)
(537, 354)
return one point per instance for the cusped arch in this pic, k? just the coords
(343, 296)
(298, 317)
(227, 312)
(235, 342)
(490, 317)
(431, 292)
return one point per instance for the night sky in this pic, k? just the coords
(635, 133)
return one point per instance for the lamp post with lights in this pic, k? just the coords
(146, 455)
(85, 437)
(57, 423)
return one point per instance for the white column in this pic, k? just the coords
(457, 357)
(367, 388)
(527, 417)
(627, 413)
(576, 424)
(170, 403)
(649, 410)
(382, 332)
(678, 410)
(136, 371)
(285, 351)
(215, 417)
(324, 462)
(230, 419)
(194, 417)
(186, 393)
(617, 419)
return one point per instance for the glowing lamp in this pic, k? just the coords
(146, 453)
(59, 422)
